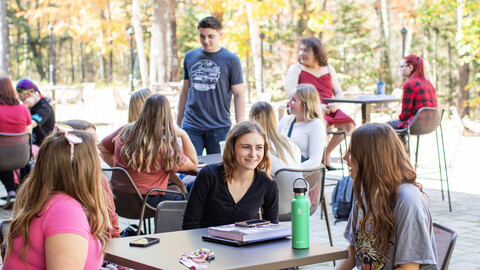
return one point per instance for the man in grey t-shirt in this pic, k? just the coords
(212, 75)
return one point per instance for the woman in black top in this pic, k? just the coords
(235, 189)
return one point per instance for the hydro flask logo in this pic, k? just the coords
(299, 211)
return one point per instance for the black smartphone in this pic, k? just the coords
(144, 242)
(252, 223)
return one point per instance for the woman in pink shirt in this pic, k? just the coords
(14, 118)
(61, 208)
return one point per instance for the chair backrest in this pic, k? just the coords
(445, 240)
(426, 120)
(15, 150)
(285, 178)
(4, 226)
(128, 200)
(169, 216)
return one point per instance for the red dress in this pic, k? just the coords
(323, 84)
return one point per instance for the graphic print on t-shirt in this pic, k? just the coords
(204, 75)
(369, 256)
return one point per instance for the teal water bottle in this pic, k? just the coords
(300, 217)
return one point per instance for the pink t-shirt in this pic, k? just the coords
(143, 180)
(61, 214)
(14, 118)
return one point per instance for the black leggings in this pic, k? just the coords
(8, 180)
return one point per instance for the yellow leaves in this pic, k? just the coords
(319, 22)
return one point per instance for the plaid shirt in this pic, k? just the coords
(416, 95)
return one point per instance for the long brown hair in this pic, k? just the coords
(237, 131)
(55, 172)
(8, 96)
(151, 136)
(262, 113)
(383, 165)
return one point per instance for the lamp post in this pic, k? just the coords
(51, 67)
(262, 37)
(404, 33)
(130, 77)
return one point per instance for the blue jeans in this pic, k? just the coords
(207, 139)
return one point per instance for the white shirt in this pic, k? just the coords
(309, 136)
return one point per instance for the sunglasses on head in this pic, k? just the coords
(71, 138)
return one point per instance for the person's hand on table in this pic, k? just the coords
(332, 107)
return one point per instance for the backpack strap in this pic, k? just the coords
(291, 128)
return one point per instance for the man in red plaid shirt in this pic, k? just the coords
(418, 92)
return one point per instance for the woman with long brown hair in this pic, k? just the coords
(60, 217)
(390, 226)
(150, 149)
(14, 118)
(236, 189)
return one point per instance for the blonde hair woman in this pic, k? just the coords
(235, 189)
(390, 215)
(60, 216)
(305, 126)
(283, 153)
(151, 148)
(136, 103)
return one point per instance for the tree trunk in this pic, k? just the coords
(255, 44)
(72, 67)
(3, 38)
(172, 51)
(463, 69)
(158, 42)
(139, 40)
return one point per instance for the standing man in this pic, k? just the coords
(211, 75)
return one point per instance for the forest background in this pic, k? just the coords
(91, 41)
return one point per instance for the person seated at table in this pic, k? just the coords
(305, 125)
(390, 225)
(313, 68)
(42, 113)
(60, 216)
(114, 231)
(14, 118)
(236, 189)
(150, 149)
(136, 103)
(283, 152)
(418, 92)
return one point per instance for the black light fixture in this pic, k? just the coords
(404, 33)
(51, 67)
(130, 33)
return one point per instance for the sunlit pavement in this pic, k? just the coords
(100, 108)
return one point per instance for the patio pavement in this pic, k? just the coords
(100, 108)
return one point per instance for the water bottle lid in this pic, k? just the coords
(299, 188)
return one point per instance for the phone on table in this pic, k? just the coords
(252, 223)
(144, 242)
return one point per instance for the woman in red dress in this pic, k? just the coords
(313, 68)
